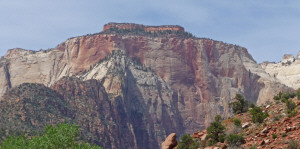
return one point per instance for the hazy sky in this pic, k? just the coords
(267, 28)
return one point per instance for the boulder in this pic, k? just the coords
(265, 130)
(170, 142)
(245, 125)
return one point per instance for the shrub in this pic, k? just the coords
(235, 140)
(292, 113)
(290, 105)
(239, 106)
(252, 105)
(203, 143)
(293, 144)
(187, 142)
(276, 118)
(62, 136)
(253, 146)
(298, 94)
(258, 115)
(284, 134)
(284, 96)
(274, 136)
(291, 108)
(237, 122)
(276, 98)
(215, 132)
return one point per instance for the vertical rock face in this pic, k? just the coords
(286, 72)
(158, 80)
(23, 66)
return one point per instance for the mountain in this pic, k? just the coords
(131, 85)
(287, 71)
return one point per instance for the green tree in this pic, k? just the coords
(291, 108)
(187, 142)
(64, 136)
(215, 132)
(237, 122)
(298, 94)
(290, 105)
(235, 140)
(258, 115)
(239, 106)
(276, 98)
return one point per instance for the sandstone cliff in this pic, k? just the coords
(286, 72)
(162, 79)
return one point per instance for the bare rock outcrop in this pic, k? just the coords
(288, 58)
(286, 72)
(170, 142)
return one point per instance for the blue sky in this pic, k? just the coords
(267, 28)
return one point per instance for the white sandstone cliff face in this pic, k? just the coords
(19, 66)
(286, 72)
(271, 84)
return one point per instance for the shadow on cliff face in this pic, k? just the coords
(253, 88)
(148, 129)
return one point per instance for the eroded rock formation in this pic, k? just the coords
(156, 82)
(286, 72)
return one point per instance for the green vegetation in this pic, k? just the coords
(284, 96)
(215, 132)
(64, 136)
(274, 136)
(237, 122)
(277, 118)
(298, 94)
(284, 134)
(239, 106)
(290, 105)
(293, 144)
(253, 146)
(235, 140)
(139, 31)
(258, 115)
(187, 142)
(291, 108)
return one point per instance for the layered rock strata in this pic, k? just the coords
(167, 81)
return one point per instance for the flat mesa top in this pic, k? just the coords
(132, 26)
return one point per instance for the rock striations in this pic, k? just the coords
(156, 81)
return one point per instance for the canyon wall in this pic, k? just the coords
(286, 72)
(162, 83)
